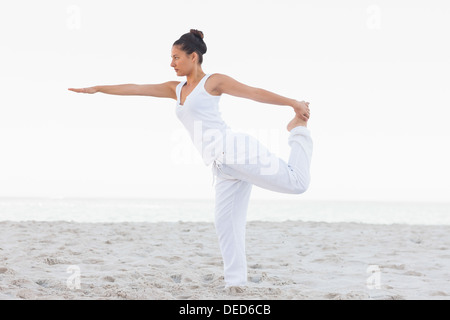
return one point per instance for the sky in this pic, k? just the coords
(376, 74)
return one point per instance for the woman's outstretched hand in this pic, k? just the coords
(85, 90)
(301, 109)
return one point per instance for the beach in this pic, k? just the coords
(181, 260)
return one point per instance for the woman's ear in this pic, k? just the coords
(194, 56)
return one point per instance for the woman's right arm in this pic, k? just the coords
(162, 90)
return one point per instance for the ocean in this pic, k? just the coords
(173, 210)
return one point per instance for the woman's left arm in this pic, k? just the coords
(228, 85)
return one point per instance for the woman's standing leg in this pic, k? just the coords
(231, 203)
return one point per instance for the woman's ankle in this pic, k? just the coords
(296, 122)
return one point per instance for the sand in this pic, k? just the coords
(286, 260)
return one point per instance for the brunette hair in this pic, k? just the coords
(192, 42)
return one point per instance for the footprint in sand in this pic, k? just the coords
(394, 266)
(26, 294)
(92, 261)
(258, 278)
(413, 273)
(169, 259)
(176, 278)
(255, 279)
(109, 279)
(43, 283)
(53, 261)
(208, 277)
(234, 290)
(334, 296)
(439, 294)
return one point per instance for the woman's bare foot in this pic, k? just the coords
(295, 123)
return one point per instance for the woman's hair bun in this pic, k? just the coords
(192, 42)
(197, 33)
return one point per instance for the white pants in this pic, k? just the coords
(234, 180)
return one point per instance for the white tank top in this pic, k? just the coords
(201, 117)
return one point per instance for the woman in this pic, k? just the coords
(239, 161)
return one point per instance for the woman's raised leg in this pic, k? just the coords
(265, 170)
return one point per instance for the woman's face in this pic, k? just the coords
(182, 62)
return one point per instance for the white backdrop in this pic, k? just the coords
(375, 73)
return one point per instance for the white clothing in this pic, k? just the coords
(233, 188)
(239, 161)
(201, 117)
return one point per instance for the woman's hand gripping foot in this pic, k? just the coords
(302, 114)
